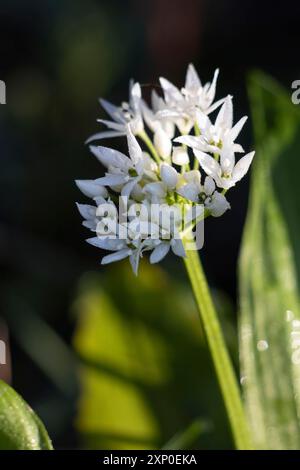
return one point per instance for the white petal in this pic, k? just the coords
(212, 89)
(189, 140)
(105, 135)
(193, 176)
(170, 90)
(149, 117)
(227, 161)
(209, 164)
(112, 125)
(156, 189)
(90, 189)
(218, 205)
(112, 180)
(192, 81)
(113, 111)
(87, 211)
(127, 189)
(162, 143)
(116, 256)
(135, 151)
(237, 148)
(190, 191)
(108, 156)
(214, 106)
(168, 175)
(242, 167)
(237, 128)
(225, 116)
(159, 252)
(177, 247)
(136, 92)
(209, 185)
(180, 156)
(106, 243)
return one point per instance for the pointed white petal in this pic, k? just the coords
(215, 106)
(171, 92)
(105, 135)
(237, 128)
(106, 243)
(242, 167)
(209, 164)
(159, 252)
(128, 188)
(113, 111)
(90, 189)
(87, 211)
(192, 81)
(108, 156)
(212, 89)
(116, 256)
(112, 180)
(177, 247)
(135, 151)
(189, 140)
(225, 116)
(112, 125)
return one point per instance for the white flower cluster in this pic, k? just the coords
(189, 161)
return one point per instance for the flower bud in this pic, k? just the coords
(180, 156)
(162, 143)
(168, 175)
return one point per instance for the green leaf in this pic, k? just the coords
(146, 373)
(269, 271)
(20, 428)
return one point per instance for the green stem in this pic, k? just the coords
(145, 138)
(221, 359)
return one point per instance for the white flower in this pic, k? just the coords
(181, 105)
(226, 173)
(214, 137)
(157, 203)
(205, 194)
(159, 190)
(127, 114)
(123, 172)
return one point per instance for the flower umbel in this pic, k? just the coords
(189, 161)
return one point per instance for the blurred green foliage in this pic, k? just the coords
(269, 271)
(20, 428)
(146, 374)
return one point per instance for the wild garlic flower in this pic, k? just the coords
(128, 113)
(147, 199)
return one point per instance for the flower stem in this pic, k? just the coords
(145, 138)
(221, 359)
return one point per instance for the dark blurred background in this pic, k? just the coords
(57, 59)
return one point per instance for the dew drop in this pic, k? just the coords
(262, 345)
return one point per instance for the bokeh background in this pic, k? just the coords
(108, 360)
